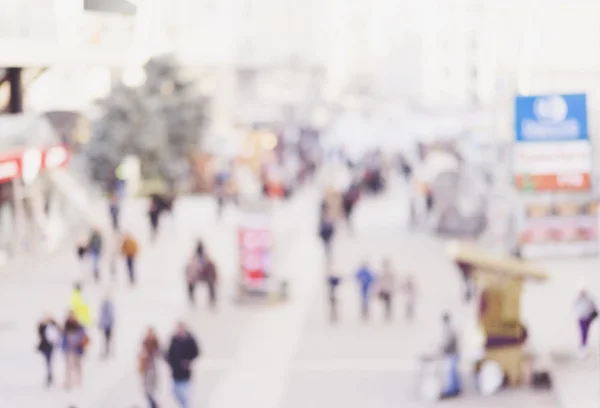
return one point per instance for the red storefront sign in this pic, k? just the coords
(554, 182)
(30, 162)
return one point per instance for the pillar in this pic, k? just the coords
(15, 104)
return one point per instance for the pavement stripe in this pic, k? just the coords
(270, 343)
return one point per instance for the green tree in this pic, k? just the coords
(161, 122)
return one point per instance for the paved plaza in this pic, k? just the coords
(276, 356)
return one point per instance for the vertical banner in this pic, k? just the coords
(255, 246)
(552, 169)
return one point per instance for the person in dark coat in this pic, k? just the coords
(50, 336)
(182, 352)
(349, 200)
(326, 232)
(157, 207)
(95, 251)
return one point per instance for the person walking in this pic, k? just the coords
(386, 283)
(349, 200)
(365, 278)
(182, 352)
(154, 213)
(410, 297)
(95, 251)
(450, 352)
(587, 312)
(148, 366)
(333, 283)
(79, 306)
(130, 249)
(194, 270)
(209, 277)
(326, 232)
(115, 209)
(106, 323)
(192, 276)
(50, 336)
(75, 341)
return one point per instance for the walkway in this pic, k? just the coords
(284, 356)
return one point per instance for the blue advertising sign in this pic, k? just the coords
(551, 118)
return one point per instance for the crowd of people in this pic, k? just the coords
(72, 336)
(368, 176)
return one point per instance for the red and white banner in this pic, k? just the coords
(554, 182)
(255, 244)
(552, 158)
(29, 163)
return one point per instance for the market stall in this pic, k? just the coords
(499, 284)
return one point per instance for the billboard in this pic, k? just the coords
(552, 153)
(255, 244)
(548, 118)
(566, 228)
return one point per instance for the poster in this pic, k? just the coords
(255, 247)
(559, 229)
(552, 168)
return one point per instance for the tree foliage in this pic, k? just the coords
(161, 122)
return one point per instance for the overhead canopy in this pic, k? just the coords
(485, 262)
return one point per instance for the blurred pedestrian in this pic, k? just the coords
(387, 285)
(587, 312)
(410, 297)
(193, 271)
(450, 352)
(326, 232)
(209, 277)
(106, 323)
(79, 306)
(220, 189)
(148, 366)
(94, 248)
(129, 249)
(182, 352)
(115, 210)
(75, 342)
(155, 211)
(50, 337)
(349, 200)
(365, 279)
(333, 283)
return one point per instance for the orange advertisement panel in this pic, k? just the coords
(553, 182)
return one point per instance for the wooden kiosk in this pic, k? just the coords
(499, 284)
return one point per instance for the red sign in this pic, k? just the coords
(554, 182)
(255, 248)
(30, 162)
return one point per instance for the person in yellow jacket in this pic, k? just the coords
(80, 308)
(129, 249)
